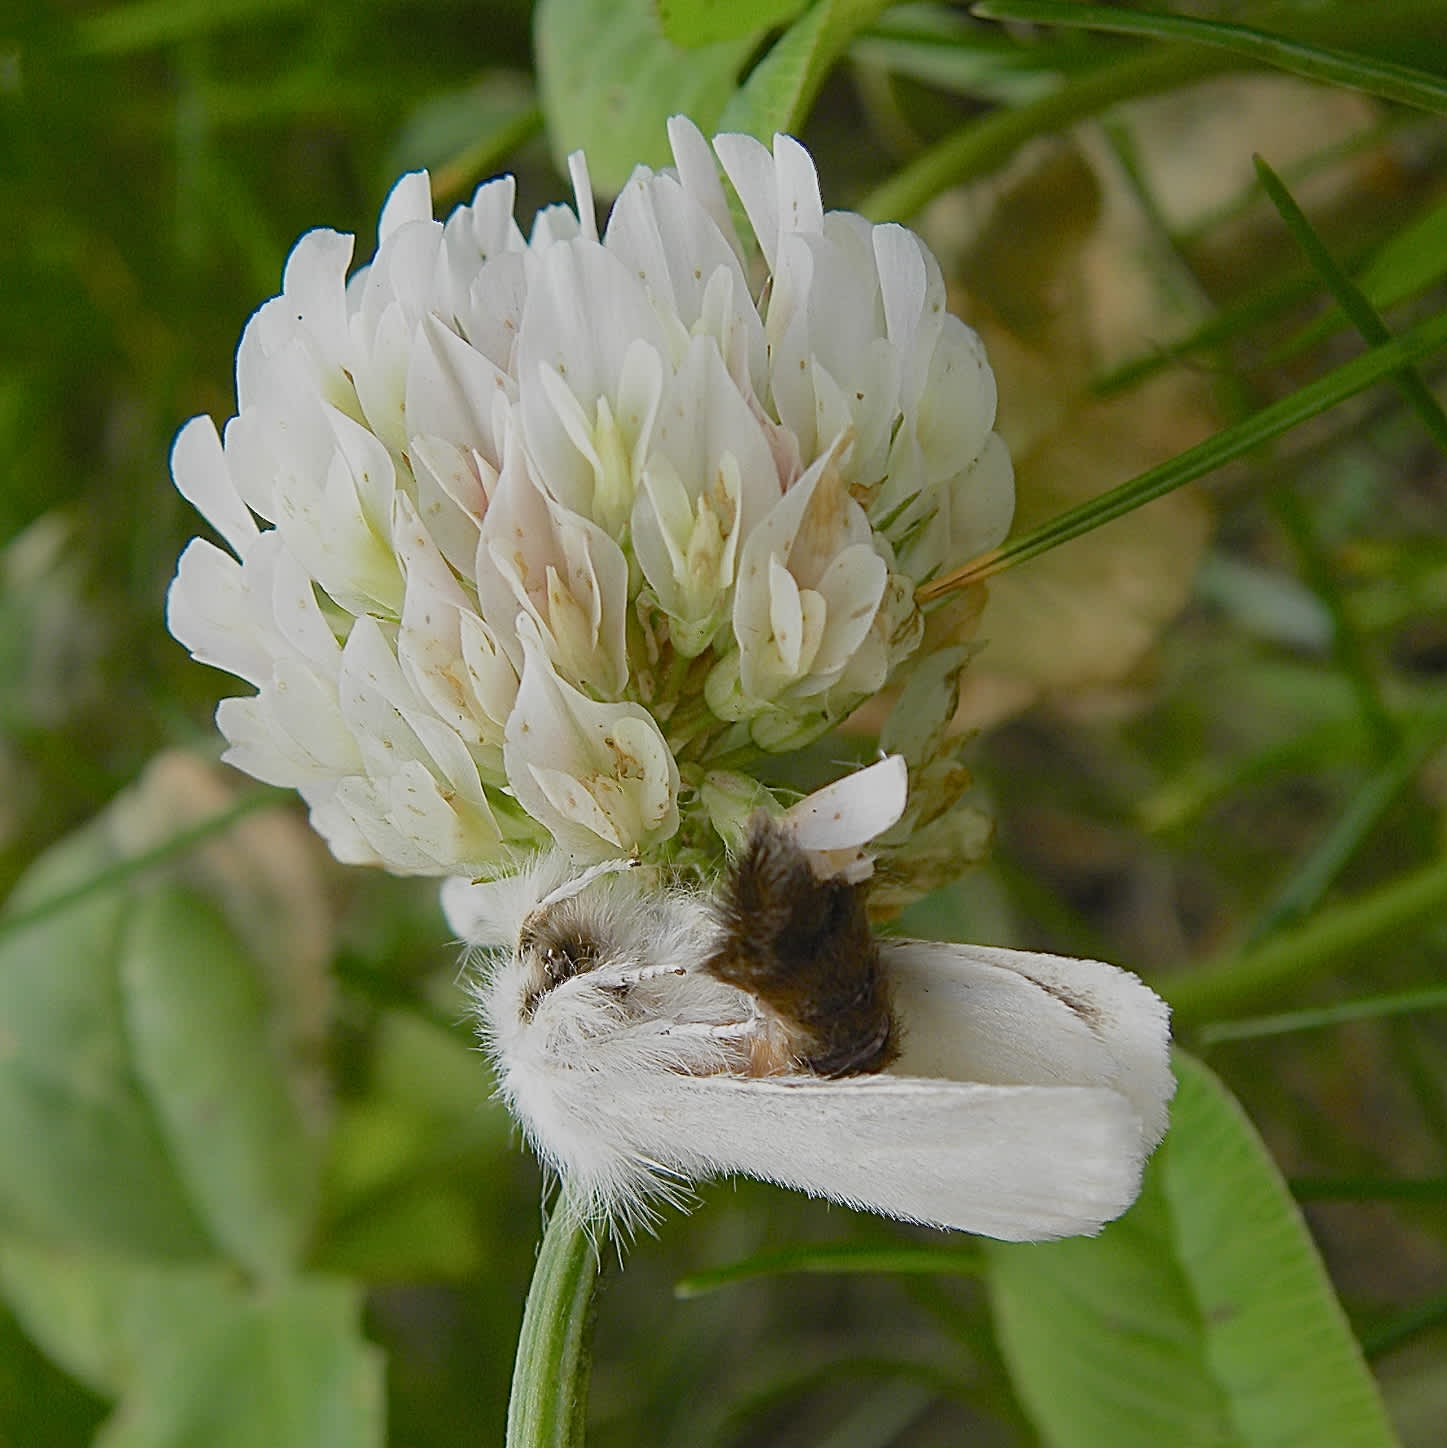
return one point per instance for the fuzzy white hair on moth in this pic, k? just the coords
(648, 1035)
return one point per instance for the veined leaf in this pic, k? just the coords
(82, 1160)
(1203, 1317)
(699, 22)
(196, 1357)
(203, 1044)
(609, 79)
(781, 88)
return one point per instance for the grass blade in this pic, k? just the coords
(1334, 67)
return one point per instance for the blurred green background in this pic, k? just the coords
(1198, 728)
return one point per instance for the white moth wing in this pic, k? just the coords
(1021, 1163)
(986, 1014)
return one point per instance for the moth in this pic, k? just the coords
(648, 1035)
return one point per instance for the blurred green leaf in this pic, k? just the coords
(73, 1305)
(421, 1231)
(1431, 998)
(219, 1367)
(198, 1360)
(609, 79)
(144, 24)
(1236, 981)
(781, 88)
(943, 48)
(463, 136)
(698, 22)
(1203, 1317)
(1409, 261)
(82, 1160)
(205, 1047)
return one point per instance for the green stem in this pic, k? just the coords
(1347, 643)
(1333, 67)
(988, 143)
(1369, 1188)
(1245, 436)
(1401, 1329)
(1402, 1003)
(1353, 301)
(114, 876)
(1314, 874)
(548, 1406)
(1239, 982)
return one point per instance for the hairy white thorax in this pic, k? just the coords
(581, 1044)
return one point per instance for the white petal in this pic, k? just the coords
(853, 810)
(599, 776)
(410, 199)
(750, 169)
(450, 390)
(698, 173)
(198, 467)
(209, 611)
(583, 196)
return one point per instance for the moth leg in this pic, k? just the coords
(638, 974)
(732, 1031)
(621, 981)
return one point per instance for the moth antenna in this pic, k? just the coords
(580, 882)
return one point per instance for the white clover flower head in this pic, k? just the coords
(527, 535)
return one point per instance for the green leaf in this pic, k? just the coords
(145, 24)
(73, 1306)
(609, 79)
(203, 1041)
(225, 1368)
(198, 1360)
(464, 135)
(1235, 982)
(782, 87)
(1202, 1317)
(1370, 1008)
(986, 143)
(699, 22)
(420, 1231)
(82, 1160)
(1409, 261)
(944, 49)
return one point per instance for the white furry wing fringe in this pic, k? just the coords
(1026, 1096)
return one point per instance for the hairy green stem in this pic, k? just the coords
(548, 1405)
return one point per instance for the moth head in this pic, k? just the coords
(590, 943)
